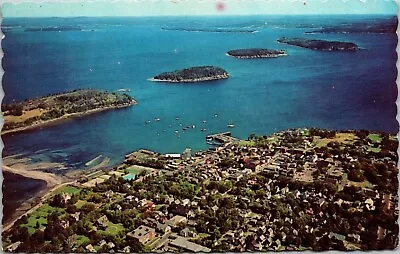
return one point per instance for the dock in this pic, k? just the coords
(223, 138)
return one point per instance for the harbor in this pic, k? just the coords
(220, 139)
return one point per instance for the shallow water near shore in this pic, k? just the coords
(17, 189)
(336, 90)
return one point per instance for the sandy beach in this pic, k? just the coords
(52, 182)
(51, 179)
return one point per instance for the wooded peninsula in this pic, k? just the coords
(39, 111)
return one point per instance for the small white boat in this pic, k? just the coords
(148, 121)
(157, 119)
(231, 125)
(204, 121)
(193, 126)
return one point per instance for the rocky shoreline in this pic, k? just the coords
(50, 109)
(41, 123)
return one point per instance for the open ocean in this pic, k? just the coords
(337, 90)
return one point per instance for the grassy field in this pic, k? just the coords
(133, 170)
(247, 143)
(81, 239)
(374, 149)
(67, 190)
(347, 138)
(112, 229)
(306, 133)
(375, 138)
(80, 203)
(40, 215)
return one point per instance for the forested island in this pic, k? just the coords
(36, 112)
(320, 44)
(193, 74)
(256, 53)
(298, 189)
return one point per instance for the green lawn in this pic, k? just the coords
(81, 239)
(46, 209)
(247, 143)
(112, 229)
(306, 132)
(80, 203)
(32, 221)
(133, 170)
(40, 215)
(374, 149)
(375, 137)
(68, 190)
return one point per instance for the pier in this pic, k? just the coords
(223, 138)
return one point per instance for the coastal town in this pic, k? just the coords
(299, 189)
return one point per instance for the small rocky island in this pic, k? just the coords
(40, 111)
(193, 74)
(256, 53)
(320, 44)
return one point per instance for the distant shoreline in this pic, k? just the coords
(64, 117)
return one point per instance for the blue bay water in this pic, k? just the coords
(338, 90)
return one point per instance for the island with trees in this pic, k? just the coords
(322, 45)
(256, 53)
(298, 189)
(40, 111)
(193, 74)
